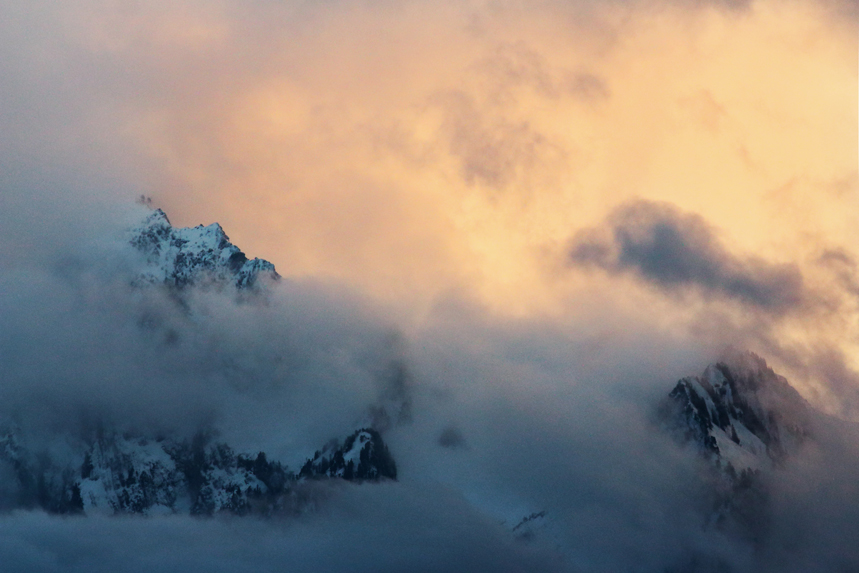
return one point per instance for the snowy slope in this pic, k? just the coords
(135, 474)
(363, 456)
(184, 256)
(740, 412)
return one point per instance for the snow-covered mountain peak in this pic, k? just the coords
(363, 456)
(183, 256)
(741, 412)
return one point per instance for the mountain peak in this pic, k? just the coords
(183, 256)
(363, 456)
(126, 473)
(156, 216)
(741, 412)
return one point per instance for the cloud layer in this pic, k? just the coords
(418, 173)
(546, 418)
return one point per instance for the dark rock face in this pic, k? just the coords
(747, 421)
(363, 456)
(132, 474)
(183, 256)
(740, 406)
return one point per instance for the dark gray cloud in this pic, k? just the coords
(556, 423)
(285, 373)
(836, 382)
(676, 250)
(79, 343)
(451, 437)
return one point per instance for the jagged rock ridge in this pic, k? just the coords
(363, 456)
(132, 474)
(747, 421)
(741, 412)
(184, 256)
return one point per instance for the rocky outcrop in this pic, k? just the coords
(741, 412)
(363, 456)
(748, 422)
(184, 256)
(133, 474)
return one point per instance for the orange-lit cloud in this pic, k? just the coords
(365, 143)
(416, 149)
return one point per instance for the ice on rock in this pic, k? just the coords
(740, 412)
(184, 256)
(118, 473)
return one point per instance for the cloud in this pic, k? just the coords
(843, 265)
(554, 419)
(675, 251)
(496, 152)
(80, 346)
(414, 169)
(507, 417)
(81, 349)
(415, 149)
(383, 529)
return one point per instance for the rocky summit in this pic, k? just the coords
(121, 473)
(748, 422)
(184, 256)
(741, 412)
(103, 470)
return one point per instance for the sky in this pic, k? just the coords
(418, 152)
(546, 213)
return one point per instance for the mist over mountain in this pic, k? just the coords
(448, 285)
(182, 257)
(342, 441)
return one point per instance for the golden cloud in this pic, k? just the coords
(421, 148)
